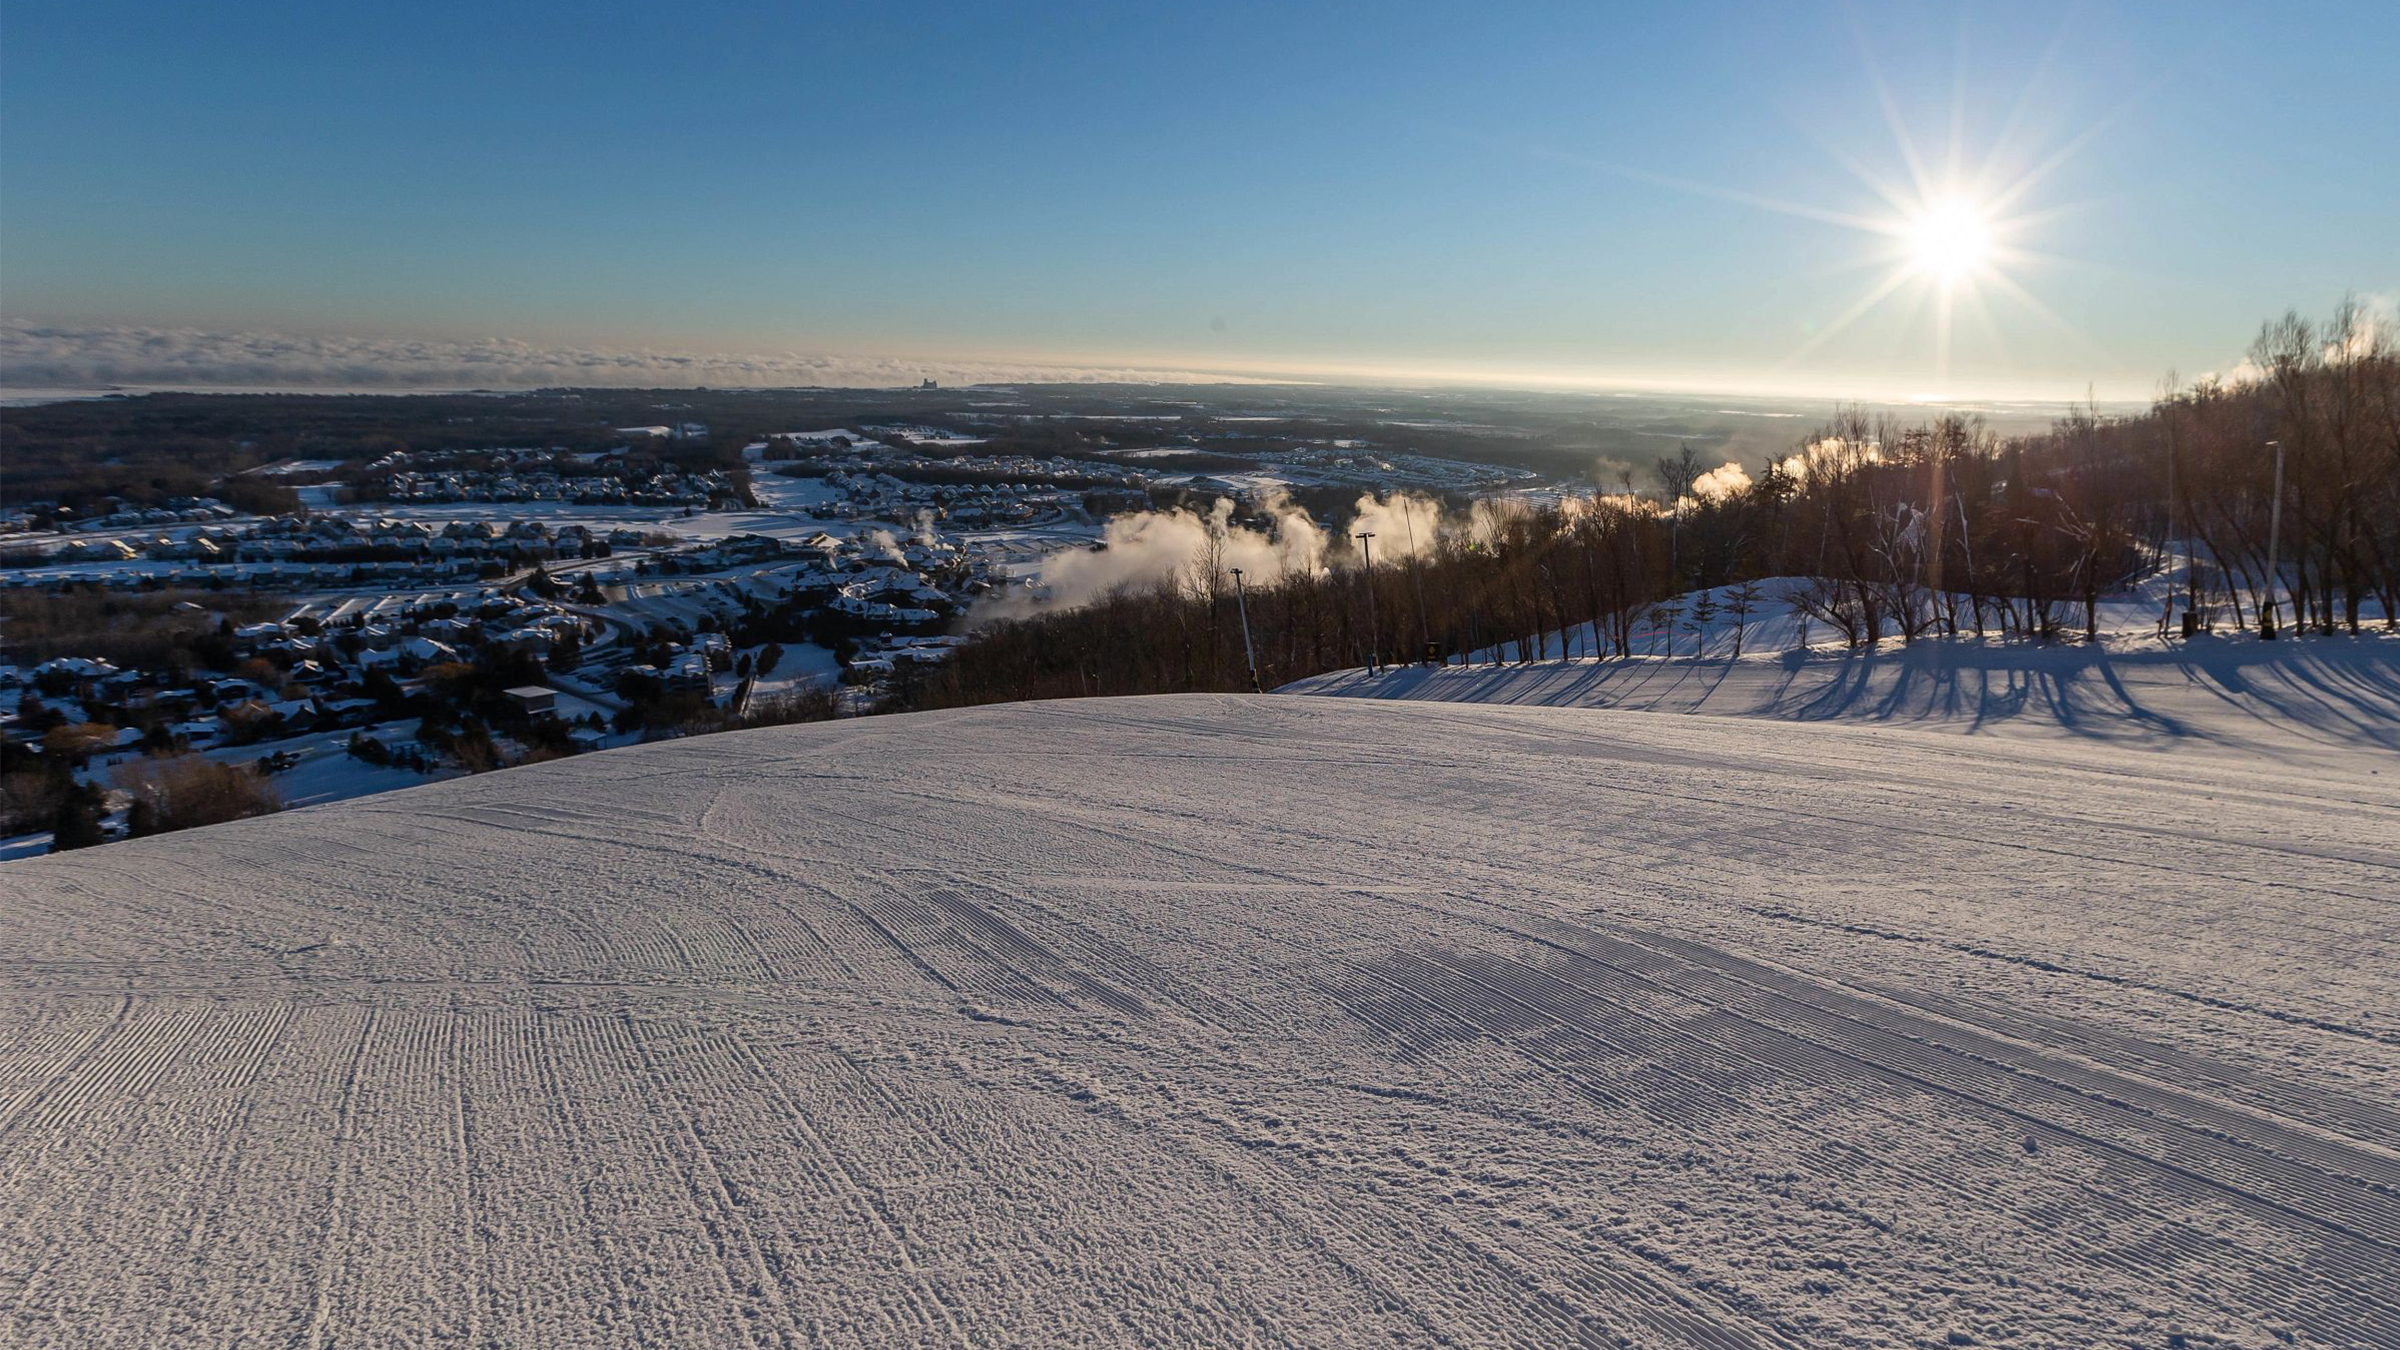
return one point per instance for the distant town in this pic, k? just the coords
(347, 620)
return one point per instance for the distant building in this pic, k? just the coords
(688, 670)
(534, 699)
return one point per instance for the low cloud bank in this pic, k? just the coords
(39, 356)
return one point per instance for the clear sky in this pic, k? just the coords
(1660, 194)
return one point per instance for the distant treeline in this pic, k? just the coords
(1901, 530)
(147, 449)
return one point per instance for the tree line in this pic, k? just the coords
(2273, 495)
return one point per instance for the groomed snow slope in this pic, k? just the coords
(1229, 1021)
(2278, 699)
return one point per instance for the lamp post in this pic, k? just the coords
(1241, 602)
(1367, 551)
(2267, 616)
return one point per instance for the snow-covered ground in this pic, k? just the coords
(1222, 1020)
(2277, 699)
(2274, 698)
(804, 664)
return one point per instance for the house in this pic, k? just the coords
(296, 714)
(80, 670)
(687, 671)
(346, 711)
(255, 716)
(534, 699)
(425, 651)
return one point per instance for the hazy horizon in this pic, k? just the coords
(64, 361)
(1822, 201)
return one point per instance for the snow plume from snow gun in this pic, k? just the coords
(1405, 524)
(1184, 547)
(1146, 549)
(1721, 482)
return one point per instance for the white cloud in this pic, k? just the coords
(48, 357)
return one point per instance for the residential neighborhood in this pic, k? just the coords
(347, 623)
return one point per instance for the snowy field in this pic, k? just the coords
(1224, 1021)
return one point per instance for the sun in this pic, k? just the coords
(1949, 241)
(1952, 232)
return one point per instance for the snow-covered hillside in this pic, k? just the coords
(2276, 699)
(1770, 660)
(1231, 1021)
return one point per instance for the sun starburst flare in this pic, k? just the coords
(1953, 233)
(1950, 241)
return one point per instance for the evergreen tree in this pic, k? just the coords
(78, 823)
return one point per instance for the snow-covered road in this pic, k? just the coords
(1230, 1021)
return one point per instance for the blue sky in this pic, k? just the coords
(1522, 193)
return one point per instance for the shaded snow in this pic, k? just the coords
(2287, 699)
(803, 664)
(2276, 698)
(1217, 1021)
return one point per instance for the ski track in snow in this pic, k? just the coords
(1226, 1021)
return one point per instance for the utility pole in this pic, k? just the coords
(1367, 551)
(1416, 571)
(1241, 601)
(2266, 620)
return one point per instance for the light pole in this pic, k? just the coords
(1367, 551)
(2266, 618)
(1241, 602)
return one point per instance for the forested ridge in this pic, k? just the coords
(1898, 529)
